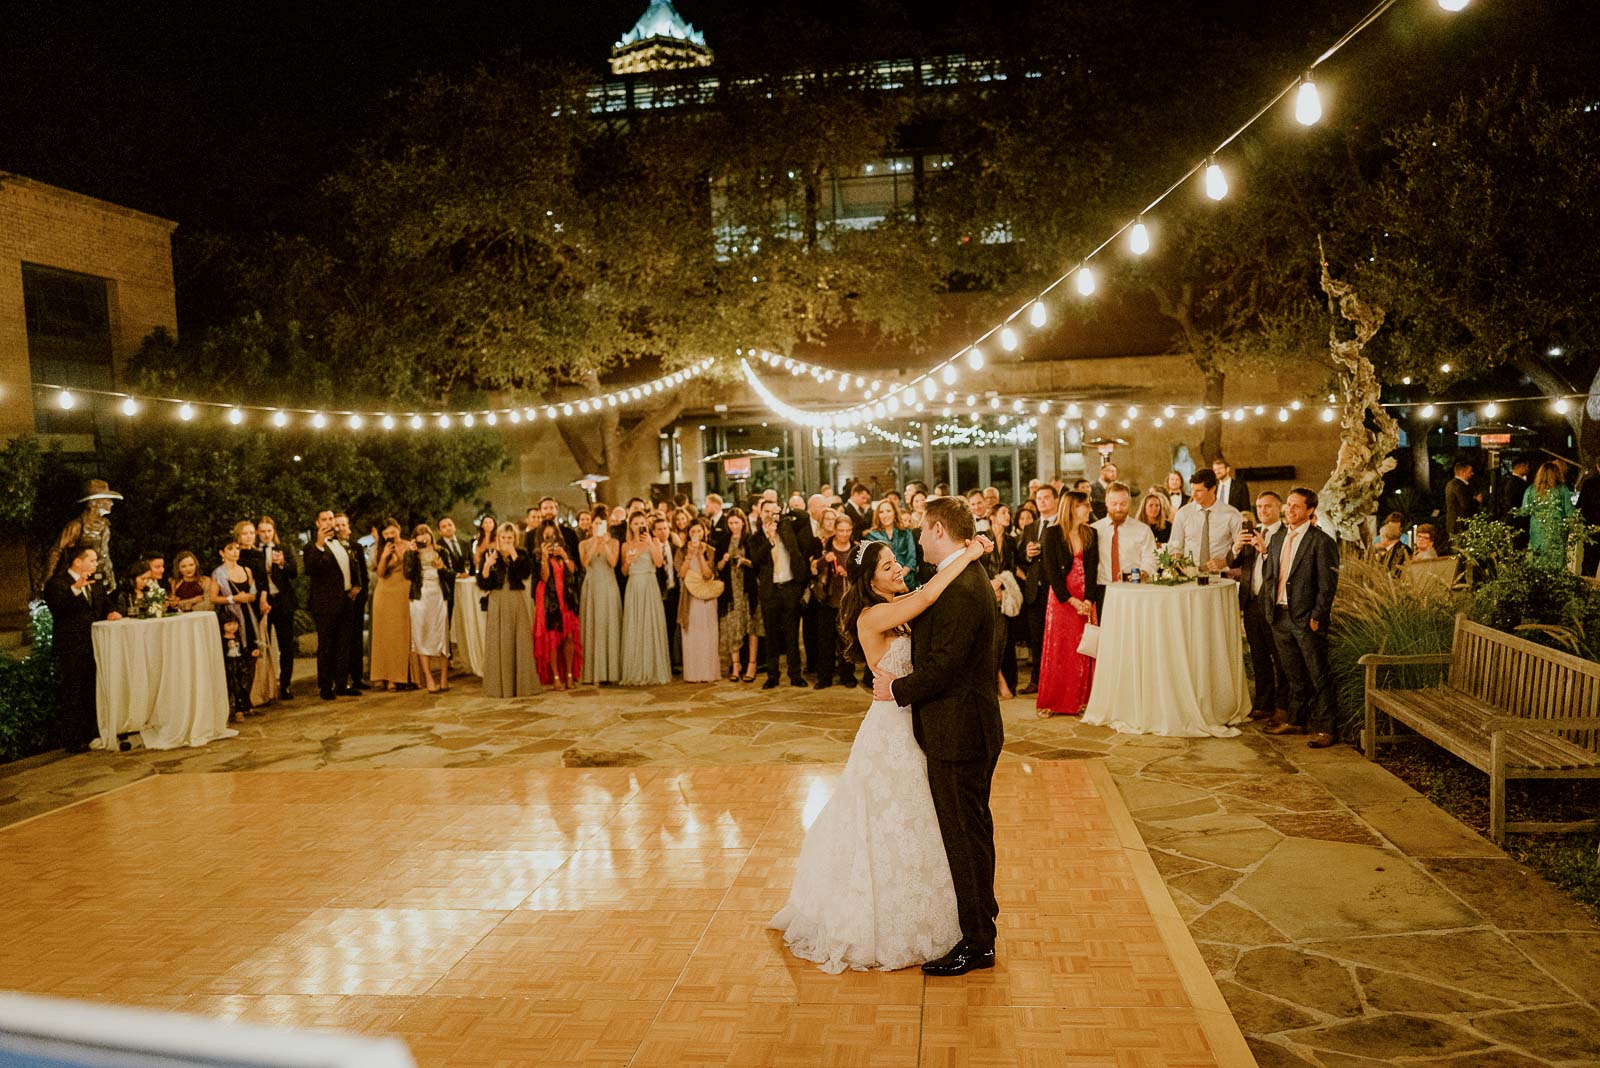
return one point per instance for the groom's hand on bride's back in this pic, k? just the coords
(882, 685)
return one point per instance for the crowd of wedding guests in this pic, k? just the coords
(638, 593)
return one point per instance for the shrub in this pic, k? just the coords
(1530, 595)
(1375, 612)
(28, 693)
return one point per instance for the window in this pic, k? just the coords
(69, 340)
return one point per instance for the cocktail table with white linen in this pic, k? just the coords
(1171, 661)
(163, 678)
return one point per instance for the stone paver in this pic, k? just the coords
(1347, 920)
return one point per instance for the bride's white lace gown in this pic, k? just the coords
(873, 887)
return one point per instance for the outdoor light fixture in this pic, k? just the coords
(1216, 181)
(1427, 411)
(1491, 410)
(1561, 406)
(355, 420)
(388, 422)
(975, 358)
(1085, 282)
(1327, 415)
(66, 400)
(186, 412)
(279, 419)
(444, 421)
(235, 416)
(1008, 339)
(319, 421)
(467, 420)
(1454, 5)
(416, 422)
(130, 407)
(1139, 238)
(949, 375)
(1307, 104)
(1037, 314)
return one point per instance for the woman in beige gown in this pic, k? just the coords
(391, 611)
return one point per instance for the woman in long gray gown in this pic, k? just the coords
(508, 665)
(600, 604)
(645, 661)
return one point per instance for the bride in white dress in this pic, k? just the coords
(873, 887)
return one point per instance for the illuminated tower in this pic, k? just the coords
(660, 40)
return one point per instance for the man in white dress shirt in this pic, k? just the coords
(1270, 699)
(1124, 542)
(1206, 527)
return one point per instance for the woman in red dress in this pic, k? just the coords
(557, 632)
(1071, 553)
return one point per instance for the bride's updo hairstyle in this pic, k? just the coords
(859, 595)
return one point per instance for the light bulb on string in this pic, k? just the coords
(130, 406)
(894, 402)
(491, 419)
(566, 409)
(1037, 315)
(949, 374)
(1008, 339)
(1157, 422)
(1133, 412)
(994, 403)
(186, 412)
(1169, 411)
(387, 422)
(279, 419)
(1427, 411)
(65, 400)
(1561, 406)
(1139, 238)
(929, 387)
(1307, 104)
(1074, 412)
(1085, 282)
(975, 358)
(355, 420)
(444, 421)
(1453, 6)
(1491, 410)
(1294, 406)
(468, 421)
(1099, 410)
(1327, 415)
(235, 416)
(1216, 181)
(1283, 415)
(319, 421)
(515, 416)
(1016, 406)
(416, 422)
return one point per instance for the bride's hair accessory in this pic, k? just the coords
(861, 551)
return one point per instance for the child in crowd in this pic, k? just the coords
(241, 669)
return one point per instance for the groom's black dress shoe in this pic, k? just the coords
(964, 958)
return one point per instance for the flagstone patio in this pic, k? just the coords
(1346, 919)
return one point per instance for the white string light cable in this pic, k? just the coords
(236, 414)
(1308, 111)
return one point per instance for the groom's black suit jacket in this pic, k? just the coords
(954, 699)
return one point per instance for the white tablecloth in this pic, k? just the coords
(1171, 661)
(163, 678)
(467, 625)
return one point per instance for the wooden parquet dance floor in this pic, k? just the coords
(607, 916)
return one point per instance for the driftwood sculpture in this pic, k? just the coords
(1368, 434)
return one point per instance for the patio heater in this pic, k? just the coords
(736, 465)
(1492, 437)
(1105, 446)
(589, 483)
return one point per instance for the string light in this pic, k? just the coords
(235, 416)
(66, 400)
(1008, 339)
(975, 358)
(387, 422)
(1037, 314)
(1085, 282)
(319, 421)
(1216, 181)
(1307, 104)
(1139, 238)
(1453, 6)
(279, 419)
(130, 406)
(186, 412)
(1561, 406)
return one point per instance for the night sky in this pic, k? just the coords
(222, 116)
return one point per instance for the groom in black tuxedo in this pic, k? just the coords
(955, 716)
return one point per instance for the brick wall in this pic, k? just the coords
(57, 228)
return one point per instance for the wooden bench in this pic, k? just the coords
(1508, 707)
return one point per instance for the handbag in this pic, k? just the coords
(1089, 644)
(700, 587)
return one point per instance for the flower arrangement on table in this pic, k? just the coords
(152, 603)
(1174, 569)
